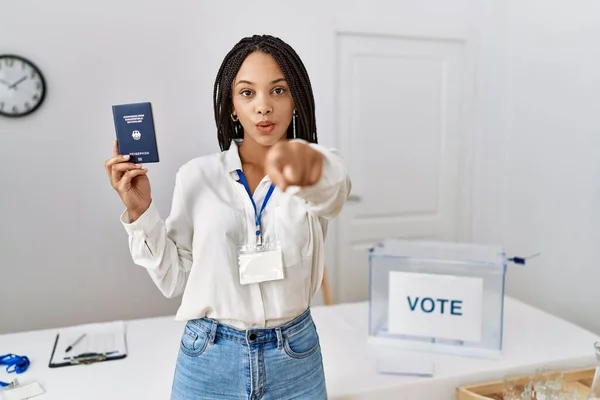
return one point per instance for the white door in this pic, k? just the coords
(403, 118)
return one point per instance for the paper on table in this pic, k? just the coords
(101, 338)
(406, 365)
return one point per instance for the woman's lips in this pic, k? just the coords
(265, 127)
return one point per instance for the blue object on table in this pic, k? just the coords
(14, 363)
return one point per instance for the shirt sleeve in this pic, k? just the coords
(327, 197)
(163, 247)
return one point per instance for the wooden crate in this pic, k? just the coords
(580, 379)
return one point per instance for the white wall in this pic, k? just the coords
(541, 152)
(63, 254)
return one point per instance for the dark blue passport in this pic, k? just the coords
(134, 126)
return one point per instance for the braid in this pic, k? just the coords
(294, 72)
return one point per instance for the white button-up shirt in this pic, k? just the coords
(194, 252)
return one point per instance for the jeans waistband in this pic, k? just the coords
(253, 336)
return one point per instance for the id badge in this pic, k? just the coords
(260, 263)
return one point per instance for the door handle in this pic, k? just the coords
(353, 198)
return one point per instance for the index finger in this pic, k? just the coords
(115, 148)
(274, 171)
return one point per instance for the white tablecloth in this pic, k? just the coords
(531, 338)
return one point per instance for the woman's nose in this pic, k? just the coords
(263, 106)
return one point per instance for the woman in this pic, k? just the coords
(244, 241)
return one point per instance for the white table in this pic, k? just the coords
(531, 338)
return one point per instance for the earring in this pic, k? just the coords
(239, 130)
(234, 117)
(294, 124)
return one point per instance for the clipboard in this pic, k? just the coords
(102, 342)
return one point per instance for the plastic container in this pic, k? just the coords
(437, 296)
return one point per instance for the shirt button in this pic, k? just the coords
(252, 336)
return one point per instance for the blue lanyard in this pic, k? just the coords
(14, 363)
(262, 208)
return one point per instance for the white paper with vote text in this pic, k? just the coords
(438, 306)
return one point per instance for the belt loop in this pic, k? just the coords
(213, 332)
(279, 338)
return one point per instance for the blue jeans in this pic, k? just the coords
(216, 361)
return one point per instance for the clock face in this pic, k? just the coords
(22, 86)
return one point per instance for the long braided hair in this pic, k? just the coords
(294, 72)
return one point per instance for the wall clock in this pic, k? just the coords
(22, 86)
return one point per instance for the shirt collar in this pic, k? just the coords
(232, 157)
(233, 162)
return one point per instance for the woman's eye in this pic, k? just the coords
(279, 90)
(246, 93)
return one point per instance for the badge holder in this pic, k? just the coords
(16, 390)
(260, 263)
(21, 391)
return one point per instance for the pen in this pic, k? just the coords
(73, 345)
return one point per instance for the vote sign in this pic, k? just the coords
(438, 306)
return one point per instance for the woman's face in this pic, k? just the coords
(262, 100)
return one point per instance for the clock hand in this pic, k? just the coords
(14, 85)
(3, 81)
